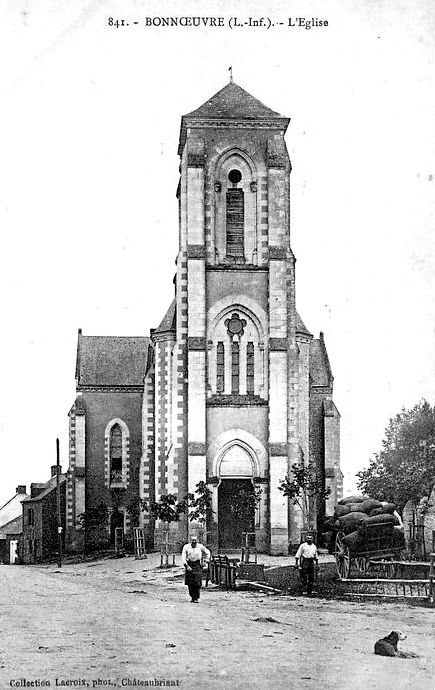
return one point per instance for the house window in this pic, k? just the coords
(116, 454)
(235, 367)
(220, 368)
(30, 517)
(235, 223)
(250, 368)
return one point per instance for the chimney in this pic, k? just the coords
(21, 489)
(55, 469)
(36, 488)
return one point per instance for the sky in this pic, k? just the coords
(89, 170)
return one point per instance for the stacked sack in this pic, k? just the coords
(354, 511)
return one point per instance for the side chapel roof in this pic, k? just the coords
(112, 360)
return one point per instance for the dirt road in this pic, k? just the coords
(112, 623)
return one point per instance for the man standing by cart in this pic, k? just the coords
(307, 563)
(194, 557)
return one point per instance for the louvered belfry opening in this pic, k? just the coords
(235, 223)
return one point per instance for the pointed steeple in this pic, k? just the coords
(234, 104)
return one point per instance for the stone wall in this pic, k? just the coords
(286, 578)
(89, 475)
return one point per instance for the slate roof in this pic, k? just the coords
(320, 369)
(231, 103)
(300, 326)
(169, 321)
(15, 526)
(112, 360)
(12, 508)
(49, 486)
(330, 409)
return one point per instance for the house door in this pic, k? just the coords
(13, 545)
(234, 515)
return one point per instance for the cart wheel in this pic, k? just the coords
(362, 563)
(342, 556)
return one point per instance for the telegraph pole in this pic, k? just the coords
(59, 522)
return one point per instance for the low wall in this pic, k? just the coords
(286, 577)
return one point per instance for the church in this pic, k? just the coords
(231, 389)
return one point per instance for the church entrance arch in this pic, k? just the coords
(234, 517)
(235, 514)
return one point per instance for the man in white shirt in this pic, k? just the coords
(194, 557)
(306, 559)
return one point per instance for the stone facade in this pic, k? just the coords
(105, 435)
(237, 389)
(11, 522)
(40, 537)
(251, 386)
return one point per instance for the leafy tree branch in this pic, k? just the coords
(302, 487)
(168, 508)
(199, 506)
(405, 466)
(94, 517)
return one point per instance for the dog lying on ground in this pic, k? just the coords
(388, 646)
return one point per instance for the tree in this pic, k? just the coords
(244, 502)
(199, 507)
(405, 467)
(167, 508)
(135, 508)
(303, 488)
(94, 522)
(94, 517)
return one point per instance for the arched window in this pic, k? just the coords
(235, 238)
(116, 454)
(236, 362)
(250, 368)
(235, 367)
(220, 368)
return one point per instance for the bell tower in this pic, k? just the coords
(236, 347)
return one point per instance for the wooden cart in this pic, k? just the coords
(379, 546)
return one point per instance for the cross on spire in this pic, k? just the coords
(230, 69)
